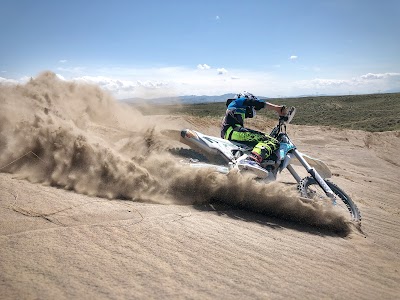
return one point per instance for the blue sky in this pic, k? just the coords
(154, 48)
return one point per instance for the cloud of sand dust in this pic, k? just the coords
(274, 199)
(77, 137)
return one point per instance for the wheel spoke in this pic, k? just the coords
(309, 188)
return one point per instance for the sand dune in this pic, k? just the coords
(93, 206)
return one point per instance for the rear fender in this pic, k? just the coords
(208, 144)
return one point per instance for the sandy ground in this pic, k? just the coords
(64, 242)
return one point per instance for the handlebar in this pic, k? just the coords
(286, 119)
(283, 120)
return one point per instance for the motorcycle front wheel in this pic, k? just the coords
(309, 188)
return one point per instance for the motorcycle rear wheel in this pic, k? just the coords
(309, 188)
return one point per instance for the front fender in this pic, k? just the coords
(317, 164)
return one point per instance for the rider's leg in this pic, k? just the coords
(265, 146)
(242, 134)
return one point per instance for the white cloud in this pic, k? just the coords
(293, 57)
(372, 76)
(127, 88)
(23, 79)
(60, 77)
(319, 83)
(8, 81)
(203, 67)
(74, 70)
(222, 71)
(63, 61)
(368, 83)
(174, 81)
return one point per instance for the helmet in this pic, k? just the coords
(246, 95)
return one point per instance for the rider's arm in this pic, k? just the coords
(280, 109)
(258, 104)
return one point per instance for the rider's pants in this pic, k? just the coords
(265, 145)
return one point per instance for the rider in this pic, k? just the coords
(245, 106)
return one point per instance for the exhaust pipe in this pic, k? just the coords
(191, 139)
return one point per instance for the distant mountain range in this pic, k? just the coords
(190, 99)
(193, 99)
(395, 90)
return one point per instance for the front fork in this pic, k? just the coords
(321, 182)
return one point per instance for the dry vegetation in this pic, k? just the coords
(374, 113)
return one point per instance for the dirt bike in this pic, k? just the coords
(227, 155)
